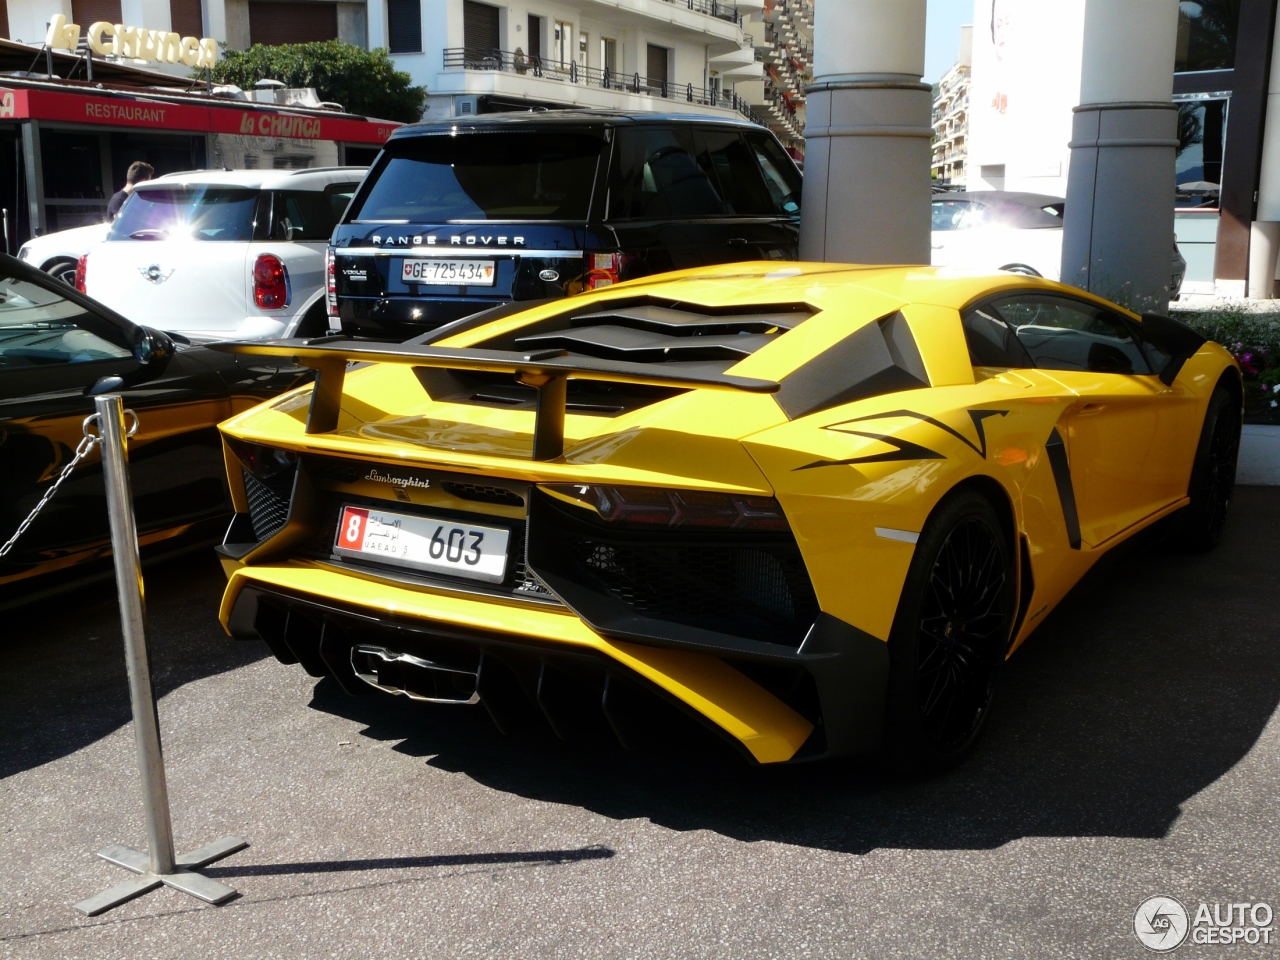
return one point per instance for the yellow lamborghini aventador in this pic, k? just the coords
(815, 506)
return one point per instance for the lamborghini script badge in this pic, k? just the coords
(155, 274)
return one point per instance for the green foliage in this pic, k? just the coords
(1254, 340)
(363, 81)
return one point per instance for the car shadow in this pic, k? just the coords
(1150, 681)
(62, 672)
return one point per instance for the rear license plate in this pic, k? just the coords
(424, 543)
(450, 273)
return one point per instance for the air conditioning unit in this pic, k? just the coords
(466, 106)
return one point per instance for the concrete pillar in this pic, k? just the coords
(1264, 242)
(1118, 230)
(866, 185)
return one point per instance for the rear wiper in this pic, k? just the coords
(149, 235)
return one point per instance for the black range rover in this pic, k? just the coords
(458, 216)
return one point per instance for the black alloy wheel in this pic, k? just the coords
(64, 270)
(951, 634)
(1213, 475)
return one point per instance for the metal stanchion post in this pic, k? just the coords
(159, 866)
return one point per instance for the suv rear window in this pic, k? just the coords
(196, 213)
(482, 176)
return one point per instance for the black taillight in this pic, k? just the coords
(273, 466)
(658, 507)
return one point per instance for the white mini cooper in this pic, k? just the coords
(223, 254)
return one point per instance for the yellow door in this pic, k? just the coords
(1123, 430)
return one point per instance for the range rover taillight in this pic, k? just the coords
(331, 281)
(605, 269)
(270, 282)
(81, 266)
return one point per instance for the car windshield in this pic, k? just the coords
(190, 213)
(40, 328)
(482, 176)
(995, 211)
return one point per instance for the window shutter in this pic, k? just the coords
(185, 18)
(274, 23)
(479, 29)
(404, 26)
(85, 12)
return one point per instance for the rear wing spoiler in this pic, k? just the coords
(547, 371)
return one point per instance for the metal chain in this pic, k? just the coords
(88, 443)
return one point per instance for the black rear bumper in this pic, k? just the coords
(837, 681)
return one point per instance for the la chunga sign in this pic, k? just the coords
(133, 43)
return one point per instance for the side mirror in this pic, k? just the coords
(1171, 337)
(152, 348)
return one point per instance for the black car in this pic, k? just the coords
(459, 216)
(58, 349)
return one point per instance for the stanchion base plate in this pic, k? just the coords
(184, 876)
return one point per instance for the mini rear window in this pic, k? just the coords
(194, 213)
(482, 176)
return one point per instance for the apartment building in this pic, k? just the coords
(747, 58)
(781, 33)
(951, 118)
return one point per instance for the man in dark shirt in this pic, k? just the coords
(139, 172)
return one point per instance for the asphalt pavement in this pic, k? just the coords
(1133, 752)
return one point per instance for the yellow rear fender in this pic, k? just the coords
(859, 482)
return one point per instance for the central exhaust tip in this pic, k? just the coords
(415, 678)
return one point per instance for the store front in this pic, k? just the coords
(65, 150)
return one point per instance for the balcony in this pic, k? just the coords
(716, 20)
(712, 8)
(504, 73)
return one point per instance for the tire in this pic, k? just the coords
(64, 270)
(1213, 475)
(315, 322)
(950, 635)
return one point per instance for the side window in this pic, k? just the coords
(339, 195)
(1063, 334)
(655, 176)
(780, 174)
(992, 342)
(305, 215)
(38, 328)
(725, 158)
(949, 214)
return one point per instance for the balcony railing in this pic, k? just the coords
(504, 61)
(713, 8)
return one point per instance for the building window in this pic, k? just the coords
(609, 55)
(185, 18)
(535, 36)
(562, 49)
(1207, 35)
(1202, 127)
(274, 23)
(659, 65)
(480, 29)
(404, 26)
(85, 12)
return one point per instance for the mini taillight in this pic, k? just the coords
(81, 266)
(270, 282)
(331, 275)
(657, 507)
